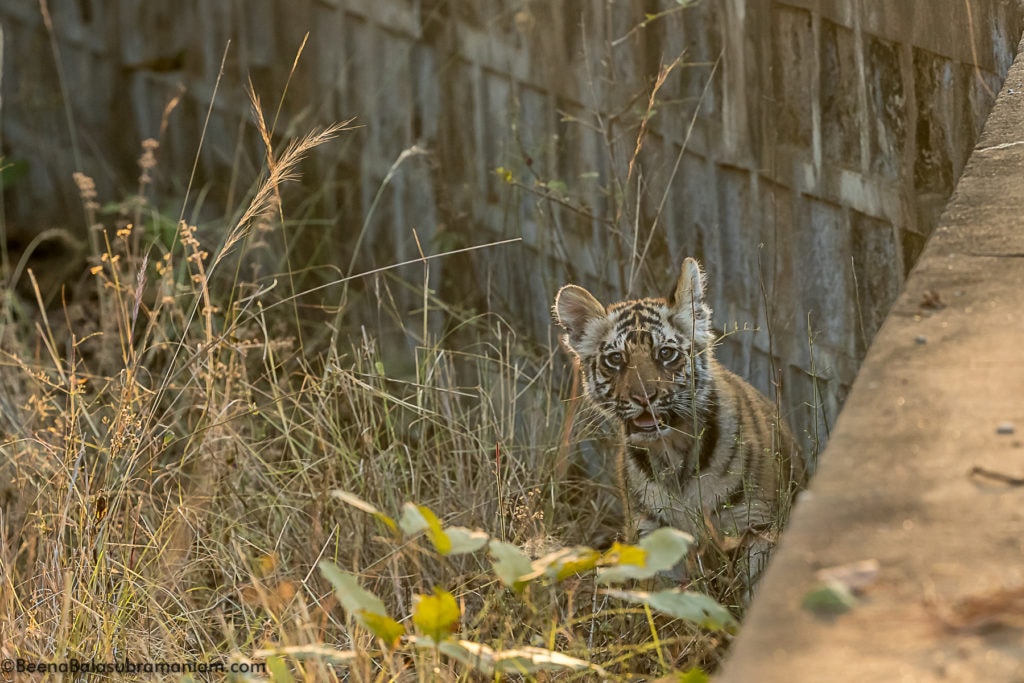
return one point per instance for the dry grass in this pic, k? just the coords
(171, 436)
(170, 446)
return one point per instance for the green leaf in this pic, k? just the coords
(365, 607)
(558, 187)
(665, 547)
(454, 541)
(412, 520)
(436, 616)
(353, 597)
(505, 174)
(465, 540)
(510, 563)
(416, 518)
(829, 599)
(689, 605)
(523, 660)
(360, 504)
(279, 671)
(662, 548)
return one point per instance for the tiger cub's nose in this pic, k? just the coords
(643, 395)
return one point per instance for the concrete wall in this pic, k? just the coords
(806, 146)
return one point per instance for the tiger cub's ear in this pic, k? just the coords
(577, 311)
(689, 311)
(689, 290)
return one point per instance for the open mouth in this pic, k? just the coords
(644, 423)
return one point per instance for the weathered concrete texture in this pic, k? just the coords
(941, 385)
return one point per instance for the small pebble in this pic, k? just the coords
(1005, 428)
(921, 339)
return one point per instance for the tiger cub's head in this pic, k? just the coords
(645, 361)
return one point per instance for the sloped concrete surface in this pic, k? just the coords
(941, 392)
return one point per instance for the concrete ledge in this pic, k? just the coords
(941, 384)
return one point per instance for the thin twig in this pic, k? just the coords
(1007, 479)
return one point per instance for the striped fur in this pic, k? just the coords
(703, 451)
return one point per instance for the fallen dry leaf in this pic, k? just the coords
(856, 576)
(931, 300)
(998, 608)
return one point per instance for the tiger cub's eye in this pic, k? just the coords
(614, 360)
(666, 354)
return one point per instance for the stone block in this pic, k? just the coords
(736, 269)
(763, 372)
(678, 227)
(839, 83)
(807, 410)
(357, 40)
(459, 132)
(982, 89)
(206, 47)
(729, 352)
(326, 50)
(933, 86)
(778, 308)
(704, 34)
(887, 106)
(820, 258)
(877, 272)
(775, 214)
(497, 122)
(172, 22)
(793, 62)
(392, 91)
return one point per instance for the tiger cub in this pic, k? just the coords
(703, 451)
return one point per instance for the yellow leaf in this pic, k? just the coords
(435, 531)
(382, 626)
(437, 615)
(417, 518)
(582, 562)
(622, 553)
(563, 563)
(279, 671)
